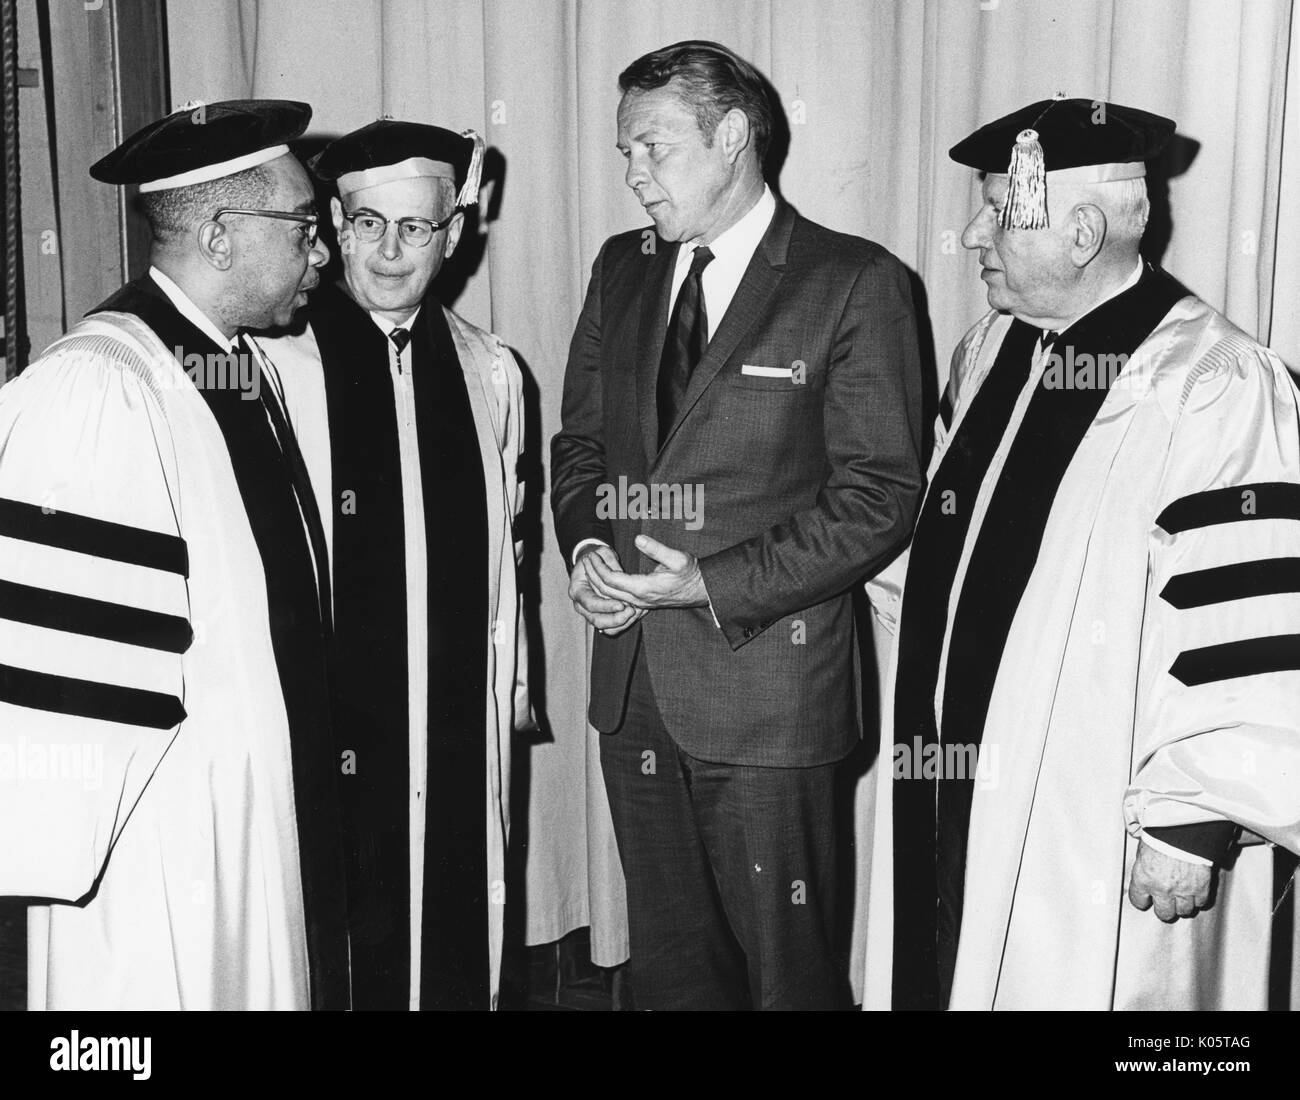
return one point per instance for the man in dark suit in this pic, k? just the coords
(741, 420)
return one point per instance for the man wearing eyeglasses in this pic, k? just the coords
(412, 424)
(164, 608)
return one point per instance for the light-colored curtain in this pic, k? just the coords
(876, 92)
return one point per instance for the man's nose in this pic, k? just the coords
(390, 246)
(979, 231)
(319, 255)
(636, 173)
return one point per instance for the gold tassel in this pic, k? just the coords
(1026, 204)
(469, 193)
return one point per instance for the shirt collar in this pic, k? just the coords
(741, 239)
(1127, 284)
(187, 309)
(386, 326)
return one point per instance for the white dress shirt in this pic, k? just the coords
(732, 250)
(187, 309)
(1127, 284)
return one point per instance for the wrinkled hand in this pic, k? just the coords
(609, 615)
(1175, 887)
(675, 582)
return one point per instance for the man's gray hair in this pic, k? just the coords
(1125, 204)
(177, 210)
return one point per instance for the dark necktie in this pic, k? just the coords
(687, 337)
(400, 337)
(302, 490)
(1049, 337)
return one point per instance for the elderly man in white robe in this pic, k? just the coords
(412, 424)
(170, 795)
(1091, 785)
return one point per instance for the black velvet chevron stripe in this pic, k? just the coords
(88, 699)
(97, 537)
(21, 603)
(1266, 500)
(1238, 581)
(1252, 657)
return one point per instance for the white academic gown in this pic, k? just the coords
(1092, 736)
(169, 856)
(495, 387)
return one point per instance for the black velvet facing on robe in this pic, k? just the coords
(935, 554)
(372, 717)
(273, 486)
(931, 817)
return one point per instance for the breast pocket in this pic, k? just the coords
(777, 381)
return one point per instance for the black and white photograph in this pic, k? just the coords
(658, 506)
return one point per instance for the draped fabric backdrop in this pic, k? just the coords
(875, 94)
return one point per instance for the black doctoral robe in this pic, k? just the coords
(371, 657)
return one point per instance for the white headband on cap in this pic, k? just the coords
(410, 169)
(215, 171)
(421, 167)
(1098, 173)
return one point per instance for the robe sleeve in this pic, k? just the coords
(1218, 714)
(512, 451)
(93, 614)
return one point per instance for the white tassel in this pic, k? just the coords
(1026, 203)
(469, 193)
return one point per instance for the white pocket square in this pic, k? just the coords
(766, 372)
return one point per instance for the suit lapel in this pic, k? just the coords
(651, 330)
(747, 308)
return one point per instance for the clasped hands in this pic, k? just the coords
(612, 599)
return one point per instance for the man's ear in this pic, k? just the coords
(453, 234)
(216, 246)
(1088, 233)
(734, 133)
(343, 230)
